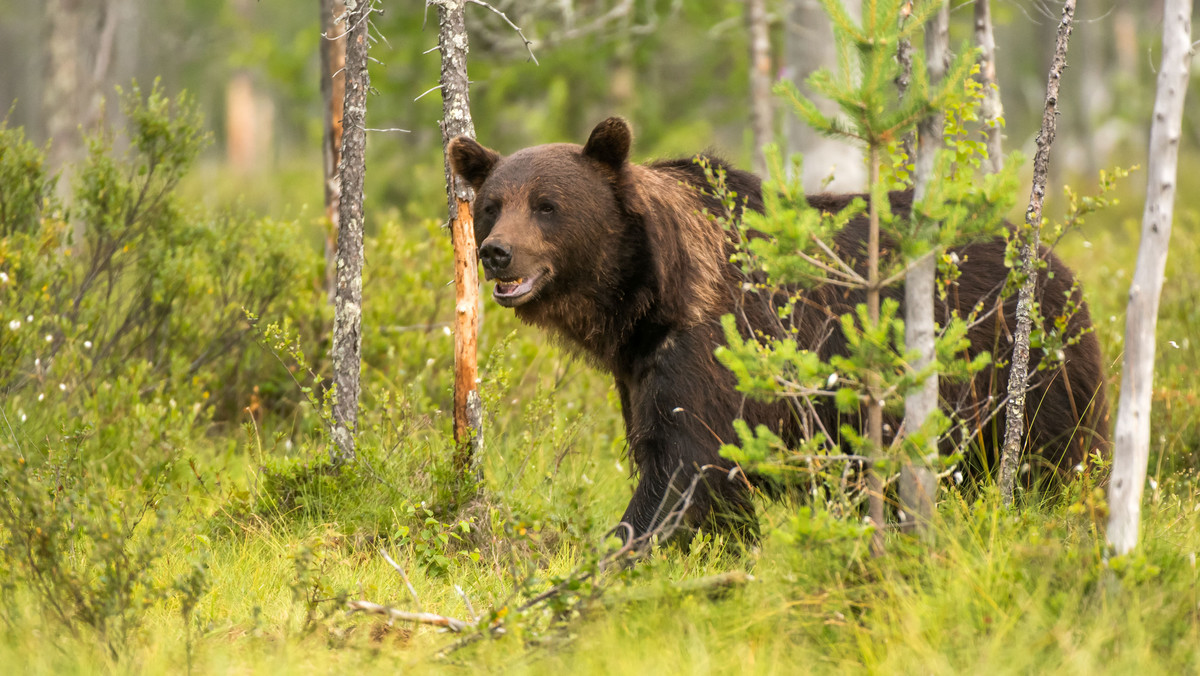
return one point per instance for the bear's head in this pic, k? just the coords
(579, 239)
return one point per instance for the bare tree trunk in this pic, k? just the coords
(760, 81)
(991, 108)
(1132, 437)
(874, 387)
(79, 57)
(347, 307)
(333, 92)
(456, 112)
(1019, 371)
(829, 164)
(918, 483)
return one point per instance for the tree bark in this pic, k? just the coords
(760, 81)
(991, 108)
(829, 164)
(918, 483)
(333, 92)
(1132, 437)
(79, 57)
(1019, 371)
(874, 388)
(456, 114)
(347, 307)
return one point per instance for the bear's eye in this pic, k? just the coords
(545, 208)
(490, 209)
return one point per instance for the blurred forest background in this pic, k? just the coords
(678, 70)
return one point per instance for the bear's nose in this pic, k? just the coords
(495, 256)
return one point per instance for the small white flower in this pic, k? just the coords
(1024, 468)
(62, 387)
(617, 464)
(37, 362)
(900, 513)
(833, 378)
(958, 477)
(1079, 468)
(24, 417)
(954, 258)
(14, 324)
(41, 396)
(29, 318)
(446, 330)
(87, 344)
(1173, 344)
(1087, 244)
(49, 338)
(3, 278)
(429, 362)
(287, 444)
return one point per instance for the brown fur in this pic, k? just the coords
(621, 261)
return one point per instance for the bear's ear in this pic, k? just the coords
(609, 142)
(471, 161)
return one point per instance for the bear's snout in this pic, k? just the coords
(495, 257)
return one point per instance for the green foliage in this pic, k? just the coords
(26, 187)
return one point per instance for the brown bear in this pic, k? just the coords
(622, 262)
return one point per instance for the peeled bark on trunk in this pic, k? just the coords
(990, 108)
(456, 121)
(347, 307)
(760, 81)
(874, 388)
(1019, 372)
(333, 92)
(918, 483)
(1132, 437)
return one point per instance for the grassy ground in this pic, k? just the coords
(274, 543)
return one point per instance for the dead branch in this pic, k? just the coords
(1019, 371)
(502, 15)
(453, 624)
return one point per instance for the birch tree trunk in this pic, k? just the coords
(347, 306)
(918, 483)
(829, 164)
(456, 121)
(79, 56)
(1132, 437)
(333, 92)
(1019, 371)
(760, 81)
(990, 108)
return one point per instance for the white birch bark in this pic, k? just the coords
(1132, 437)
(918, 484)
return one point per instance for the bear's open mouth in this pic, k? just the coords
(508, 291)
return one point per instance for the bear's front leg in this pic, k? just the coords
(679, 409)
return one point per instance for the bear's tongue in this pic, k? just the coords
(516, 287)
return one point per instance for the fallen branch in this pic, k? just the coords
(453, 624)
